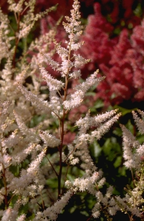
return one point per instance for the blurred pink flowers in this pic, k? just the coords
(119, 58)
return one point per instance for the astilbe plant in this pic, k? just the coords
(33, 152)
(120, 58)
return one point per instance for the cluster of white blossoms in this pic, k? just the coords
(133, 151)
(34, 157)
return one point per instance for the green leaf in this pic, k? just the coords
(95, 149)
(118, 161)
(52, 183)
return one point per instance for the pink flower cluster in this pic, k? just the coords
(120, 59)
